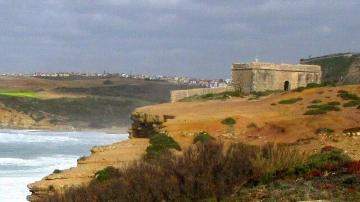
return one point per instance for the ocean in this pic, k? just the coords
(27, 156)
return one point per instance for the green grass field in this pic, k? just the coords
(28, 94)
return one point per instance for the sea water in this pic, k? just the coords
(28, 156)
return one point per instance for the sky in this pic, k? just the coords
(199, 38)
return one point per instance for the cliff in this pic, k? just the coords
(338, 68)
(116, 155)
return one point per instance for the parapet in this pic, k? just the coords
(277, 67)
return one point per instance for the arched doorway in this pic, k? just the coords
(286, 86)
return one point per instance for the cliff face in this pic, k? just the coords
(339, 69)
(116, 155)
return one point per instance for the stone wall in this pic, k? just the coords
(255, 76)
(177, 95)
(275, 80)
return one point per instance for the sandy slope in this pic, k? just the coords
(275, 123)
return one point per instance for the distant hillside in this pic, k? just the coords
(343, 68)
(93, 103)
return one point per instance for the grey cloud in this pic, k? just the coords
(186, 37)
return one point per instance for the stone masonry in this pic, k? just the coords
(255, 76)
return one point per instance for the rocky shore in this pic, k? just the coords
(117, 155)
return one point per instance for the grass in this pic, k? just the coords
(322, 108)
(20, 94)
(259, 94)
(353, 99)
(160, 144)
(327, 131)
(229, 121)
(290, 101)
(213, 96)
(240, 172)
(202, 137)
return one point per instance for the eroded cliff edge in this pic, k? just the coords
(117, 155)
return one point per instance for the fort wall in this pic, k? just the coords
(178, 95)
(250, 77)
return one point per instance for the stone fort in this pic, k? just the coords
(257, 76)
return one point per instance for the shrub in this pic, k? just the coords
(108, 82)
(316, 101)
(274, 158)
(252, 125)
(203, 137)
(352, 167)
(213, 96)
(322, 108)
(334, 103)
(264, 93)
(328, 159)
(313, 85)
(327, 131)
(106, 174)
(352, 103)
(160, 144)
(57, 171)
(290, 101)
(347, 96)
(229, 121)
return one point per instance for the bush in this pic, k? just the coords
(322, 108)
(202, 137)
(57, 171)
(328, 159)
(352, 103)
(252, 125)
(347, 96)
(108, 82)
(213, 96)
(229, 121)
(334, 103)
(106, 174)
(159, 144)
(290, 101)
(273, 159)
(327, 131)
(316, 101)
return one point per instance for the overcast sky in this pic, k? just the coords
(199, 38)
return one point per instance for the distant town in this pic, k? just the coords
(207, 83)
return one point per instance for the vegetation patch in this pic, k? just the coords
(290, 101)
(202, 137)
(316, 101)
(327, 131)
(105, 174)
(352, 131)
(213, 96)
(20, 94)
(159, 144)
(229, 121)
(259, 94)
(313, 85)
(345, 95)
(352, 103)
(335, 67)
(209, 172)
(322, 108)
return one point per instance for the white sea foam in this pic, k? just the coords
(19, 166)
(33, 138)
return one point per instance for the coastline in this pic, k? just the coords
(113, 130)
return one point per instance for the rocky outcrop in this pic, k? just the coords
(117, 155)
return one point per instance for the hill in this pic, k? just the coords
(67, 104)
(305, 119)
(338, 68)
